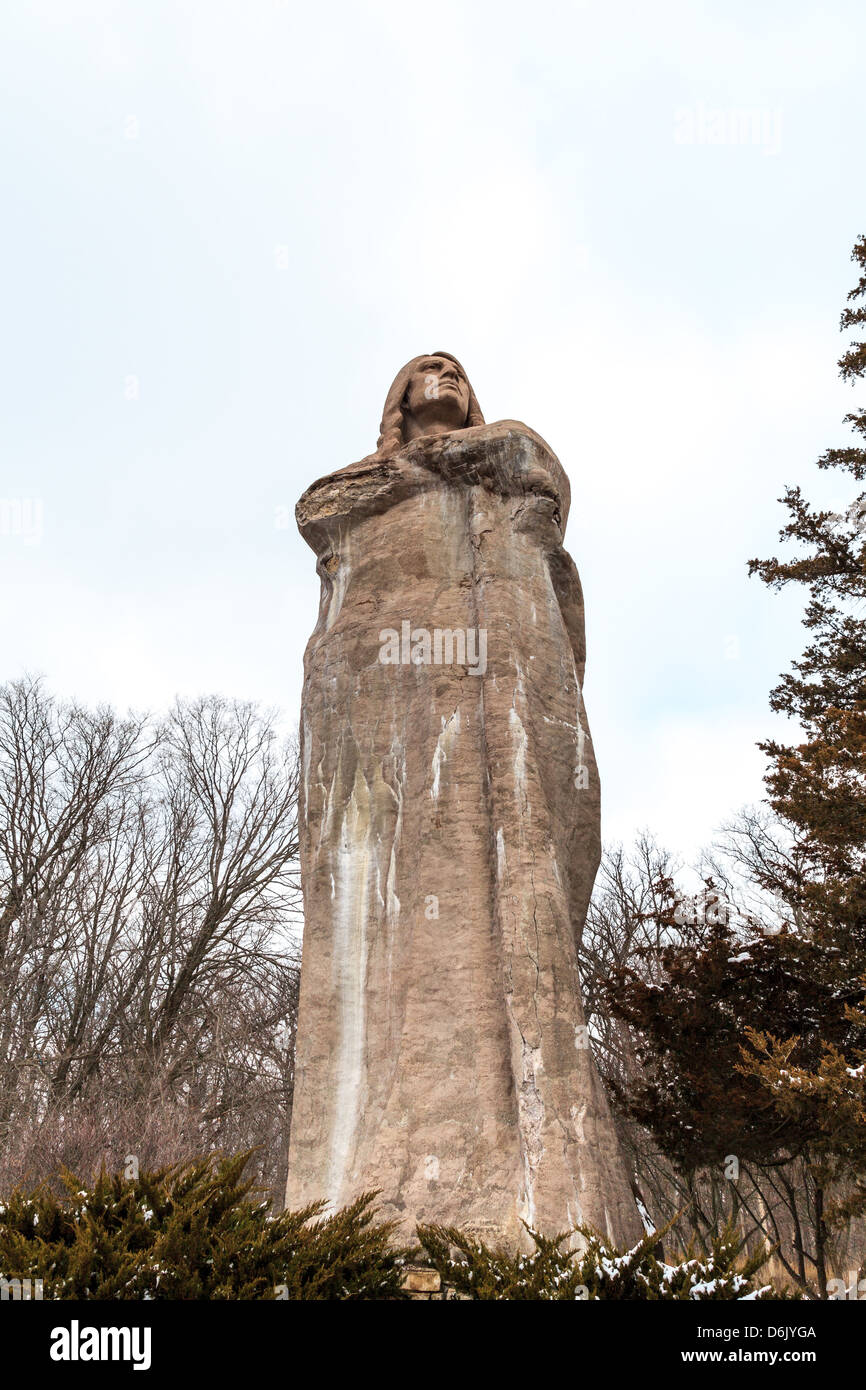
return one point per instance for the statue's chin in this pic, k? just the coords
(423, 428)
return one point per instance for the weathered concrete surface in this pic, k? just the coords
(450, 838)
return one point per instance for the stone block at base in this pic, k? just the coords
(421, 1280)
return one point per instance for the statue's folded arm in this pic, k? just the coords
(508, 458)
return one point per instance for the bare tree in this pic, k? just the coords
(149, 929)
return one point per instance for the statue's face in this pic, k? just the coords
(437, 398)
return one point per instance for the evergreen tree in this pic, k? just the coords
(754, 1044)
(830, 1096)
(819, 785)
(689, 1035)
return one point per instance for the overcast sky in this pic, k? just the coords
(227, 225)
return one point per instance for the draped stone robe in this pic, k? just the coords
(450, 838)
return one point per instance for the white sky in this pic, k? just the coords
(259, 210)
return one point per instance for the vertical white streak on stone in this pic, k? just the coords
(500, 856)
(326, 822)
(577, 1116)
(444, 747)
(349, 976)
(530, 1104)
(519, 738)
(438, 758)
(392, 908)
(609, 1225)
(394, 787)
(307, 754)
(340, 582)
(393, 902)
(531, 1114)
(581, 737)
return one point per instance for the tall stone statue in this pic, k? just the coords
(450, 835)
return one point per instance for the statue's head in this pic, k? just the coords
(430, 395)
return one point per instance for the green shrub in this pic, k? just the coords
(599, 1272)
(193, 1232)
(190, 1232)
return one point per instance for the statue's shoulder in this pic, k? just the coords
(373, 484)
(515, 432)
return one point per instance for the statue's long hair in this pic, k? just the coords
(391, 438)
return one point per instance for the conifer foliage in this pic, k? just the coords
(192, 1232)
(690, 1033)
(819, 785)
(552, 1273)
